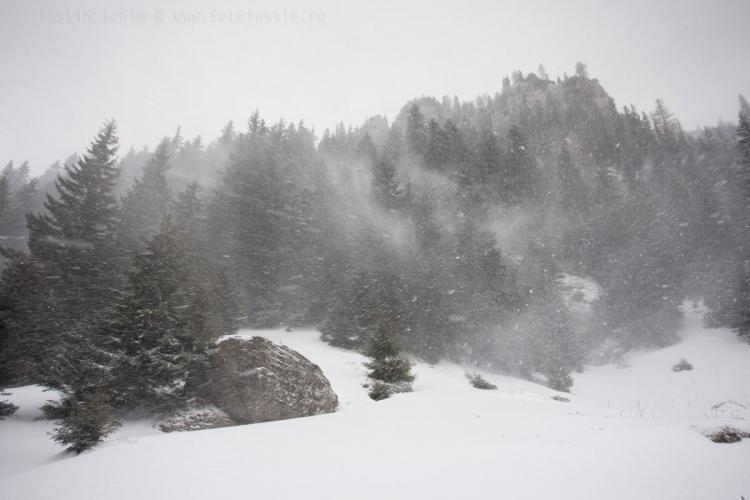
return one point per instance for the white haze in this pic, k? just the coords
(67, 65)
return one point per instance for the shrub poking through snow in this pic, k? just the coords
(380, 390)
(683, 365)
(89, 420)
(479, 382)
(559, 380)
(7, 409)
(727, 435)
(561, 399)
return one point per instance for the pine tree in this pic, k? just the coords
(18, 195)
(73, 249)
(228, 133)
(487, 179)
(428, 306)
(22, 201)
(177, 141)
(358, 295)
(385, 187)
(367, 151)
(187, 208)
(89, 419)
(146, 201)
(159, 326)
(340, 328)
(390, 372)
(436, 147)
(742, 319)
(562, 352)
(21, 303)
(214, 274)
(572, 188)
(3, 202)
(267, 217)
(74, 240)
(519, 171)
(416, 134)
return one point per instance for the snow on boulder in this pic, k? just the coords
(578, 292)
(195, 418)
(256, 380)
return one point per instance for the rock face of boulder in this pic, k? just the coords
(195, 418)
(255, 380)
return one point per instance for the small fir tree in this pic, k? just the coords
(386, 363)
(89, 420)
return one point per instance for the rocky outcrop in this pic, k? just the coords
(194, 418)
(255, 380)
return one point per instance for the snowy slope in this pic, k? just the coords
(628, 433)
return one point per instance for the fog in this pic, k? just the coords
(155, 65)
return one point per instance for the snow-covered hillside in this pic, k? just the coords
(629, 432)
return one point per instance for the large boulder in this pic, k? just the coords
(255, 380)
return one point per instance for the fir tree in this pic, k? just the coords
(742, 319)
(366, 150)
(89, 419)
(21, 302)
(484, 180)
(340, 327)
(562, 352)
(74, 240)
(572, 187)
(359, 294)
(228, 133)
(389, 371)
(18, 195)
(159, 326)
(387, 365)
(428, 306)
(73, 250)
(214, 274)
(519, 171)
(145, 202)
(3, 202)
(385, 187)
(187, 208)
(416, 134)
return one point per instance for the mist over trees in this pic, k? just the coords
(443, 235)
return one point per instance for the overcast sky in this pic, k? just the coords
(67, 65)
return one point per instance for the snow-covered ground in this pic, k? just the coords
(631, 432)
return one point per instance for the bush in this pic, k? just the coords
(379, 391)
(559, 380)
(89, 420)
(383, 390)
(57, 410)
(727, 435)
(682, 366)
(480, 382)
(7, 409)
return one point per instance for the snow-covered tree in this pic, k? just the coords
(159, 326)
